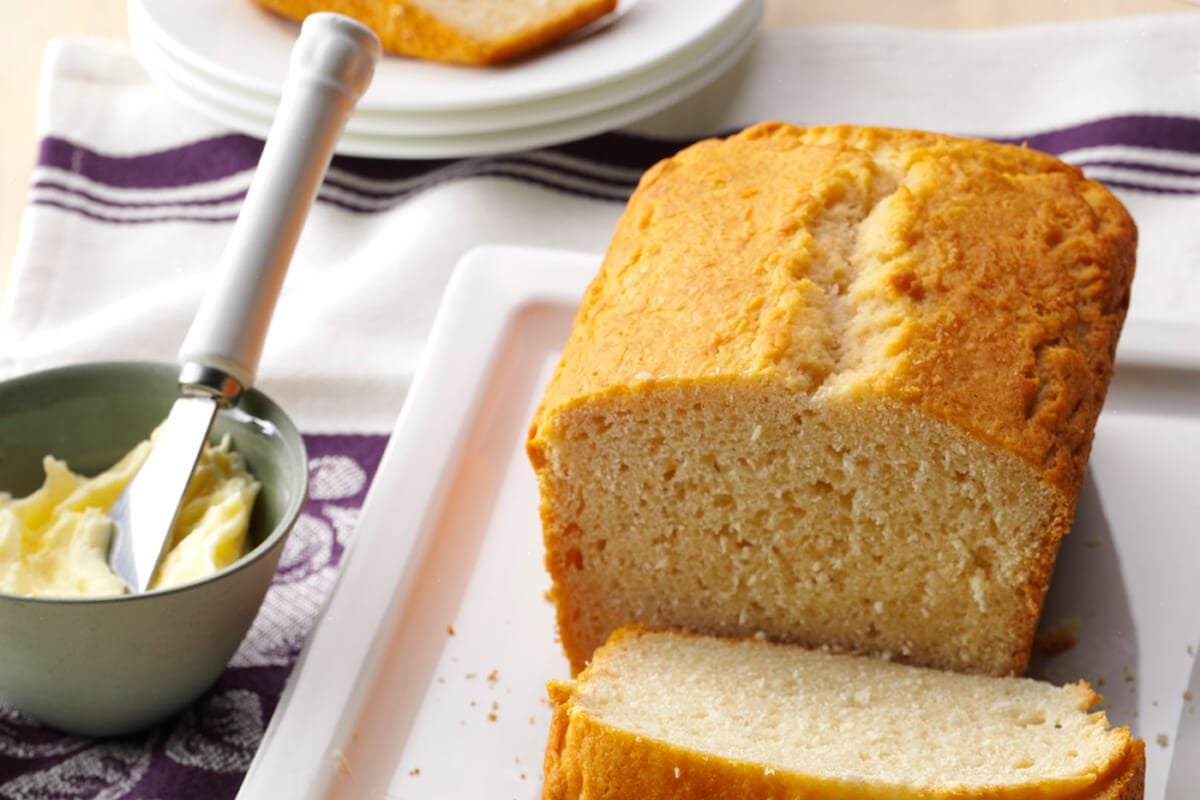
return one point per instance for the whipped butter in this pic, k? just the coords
(54, 542)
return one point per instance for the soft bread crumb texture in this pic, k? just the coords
(661, 714)
(836, 386)
(458, 31)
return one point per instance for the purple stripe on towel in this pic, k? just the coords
(472, 167)
(1126, 164)
(1141, 187)
(155, 171)
(610, 149)
(567, 185)
(222, 156)
(390, 169)
(627, 150)
(42, 201)
(196, 162)
(1153, 131)
(200, 201)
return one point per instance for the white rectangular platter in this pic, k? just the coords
(425, 675)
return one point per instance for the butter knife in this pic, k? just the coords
(331, 65)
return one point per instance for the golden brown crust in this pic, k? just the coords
(1130, 782)
(1026, 265)
(586, 759)
(406, 27)
(1010, 272)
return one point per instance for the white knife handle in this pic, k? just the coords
(331, 65)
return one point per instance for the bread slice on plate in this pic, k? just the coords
(836, 386)
(669, 715)
(458, 31)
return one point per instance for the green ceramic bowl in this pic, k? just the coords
(113, 665)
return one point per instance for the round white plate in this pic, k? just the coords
(488, 143)
(149, 46)
(248, 46)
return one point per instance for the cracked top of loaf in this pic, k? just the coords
(984, 283)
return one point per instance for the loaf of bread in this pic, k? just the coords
(666, 715)
(458, 31)
(836, 386)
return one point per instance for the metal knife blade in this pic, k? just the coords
(145, 512)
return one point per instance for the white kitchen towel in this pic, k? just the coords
(133, 197)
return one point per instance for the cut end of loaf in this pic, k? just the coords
(671, 715)
(739, 509)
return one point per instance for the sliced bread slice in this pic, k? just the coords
(458, 31)
(660, 714)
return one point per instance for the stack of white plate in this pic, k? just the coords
(227, 59)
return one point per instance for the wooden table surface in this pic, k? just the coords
(28, 26)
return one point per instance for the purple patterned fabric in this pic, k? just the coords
(205, 751)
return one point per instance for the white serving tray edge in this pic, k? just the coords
(306, 751)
